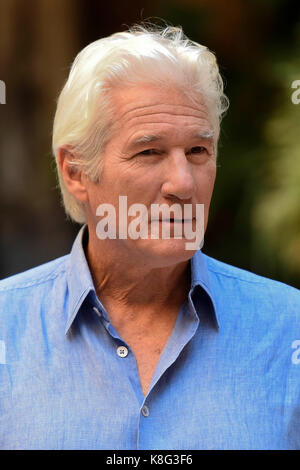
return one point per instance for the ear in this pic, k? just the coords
(73, 177)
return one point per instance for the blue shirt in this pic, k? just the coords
(228, 377)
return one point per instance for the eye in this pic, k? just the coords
(198, 149)
(148, 152)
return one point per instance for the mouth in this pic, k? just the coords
(175, 221)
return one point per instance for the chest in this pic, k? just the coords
(147, 357)
(147, 351)
(197, 412)
(147, 344)
(84, 398)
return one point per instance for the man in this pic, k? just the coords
(137, 342)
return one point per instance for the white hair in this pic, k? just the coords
(84, 115)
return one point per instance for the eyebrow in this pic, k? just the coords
(205, 135)
(145, 139)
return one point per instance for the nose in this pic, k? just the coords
(179, 179)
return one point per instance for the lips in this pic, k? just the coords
(175, 220)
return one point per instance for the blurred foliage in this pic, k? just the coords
(276, 214)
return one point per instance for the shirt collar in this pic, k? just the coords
(80, 283)
(79, 279)
(201, 292)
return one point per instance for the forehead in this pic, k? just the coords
(148, 108)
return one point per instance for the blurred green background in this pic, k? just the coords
(255, 213)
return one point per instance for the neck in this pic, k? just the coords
(121, 280)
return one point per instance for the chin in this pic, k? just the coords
(166, 252)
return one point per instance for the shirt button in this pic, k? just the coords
(97, 311)
(145, 411)
(122, 351)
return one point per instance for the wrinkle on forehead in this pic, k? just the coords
(149, 99)
(164, 114)
(148, 105)
(162, 108)
(162, 123)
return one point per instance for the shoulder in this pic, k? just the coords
(35, 278)
(27, 297)
(251, 287)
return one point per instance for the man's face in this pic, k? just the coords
(160, 153)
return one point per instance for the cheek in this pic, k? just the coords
(211, 181)
(205, 183)
(94, 200)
